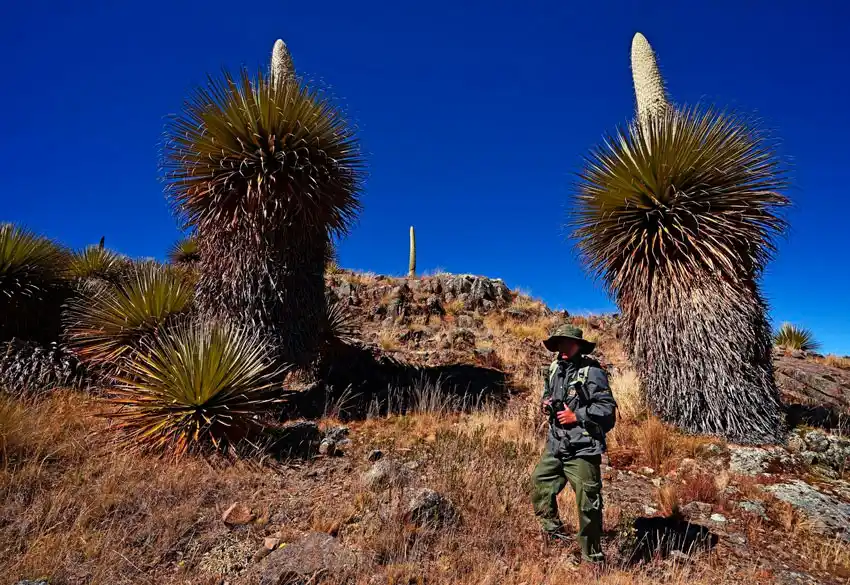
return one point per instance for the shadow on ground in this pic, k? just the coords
(665, 536)
(356, 382)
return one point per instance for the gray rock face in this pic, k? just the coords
(808, 382)
(430, 508)
(827, 514)
(817, 441)
(298, 562)
(385, 473)
(755, 508)
(755, 460)
(480, 293)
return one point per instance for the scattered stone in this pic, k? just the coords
(754, 508)
(316, 553)
(646, 471)
(462, 339)
(271, 542)
(384, 473)
(465, 321)
(374, 455)
(718, 518)
(687, 466)
(796, 444)
(827, 514)
(817, 441)
(795, 578)
(36, 582)
(434, 307)
(327, 448)
(649, 511)
(237, 514)
(412, 465)
(696, 508)
(739, 539)
(430, 508)
(656, 481)
(337, 434)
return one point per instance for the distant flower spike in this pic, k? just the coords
(282, 67)
(649, 86)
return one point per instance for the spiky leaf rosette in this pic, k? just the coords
(678, 217)
(32, 284)
(195, 386)
(184, 252)
(96, 262)
(28, 368)
(795, 338)
(266, 173)
(109, 324)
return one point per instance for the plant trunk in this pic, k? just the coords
(273, 284)
(705, 356)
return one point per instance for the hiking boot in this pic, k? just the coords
(557, 538)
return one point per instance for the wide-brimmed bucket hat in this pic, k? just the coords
(567, 331)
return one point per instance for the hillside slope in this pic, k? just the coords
(438, 494)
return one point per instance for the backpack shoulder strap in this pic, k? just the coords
(553, 371)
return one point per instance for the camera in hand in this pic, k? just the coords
(553, 408)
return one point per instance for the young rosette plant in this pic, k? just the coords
(96, 264)
(107, 325)
(32, 285)
(194, 387)
(791, 337)
(184, 252)
(266, 171)
(678, 215)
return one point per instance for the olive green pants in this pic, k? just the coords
(550, 477)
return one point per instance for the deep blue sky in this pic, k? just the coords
(473, 117)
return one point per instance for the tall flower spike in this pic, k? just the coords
(282, 67)
(649, 86)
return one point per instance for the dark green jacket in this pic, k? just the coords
(595, 408)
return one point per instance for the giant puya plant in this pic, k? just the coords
(677, 213)
(266, 171)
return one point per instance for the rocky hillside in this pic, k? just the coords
(434, 490)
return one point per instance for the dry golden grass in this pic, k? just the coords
(388, 341)
(454, 307)
(629, 396)
(836, 361)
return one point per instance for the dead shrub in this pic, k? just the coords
(654, 438)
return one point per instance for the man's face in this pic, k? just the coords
(568, 347)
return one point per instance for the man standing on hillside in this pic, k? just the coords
(581, 410)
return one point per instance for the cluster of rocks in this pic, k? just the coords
(397, 299)
(419, 505)
(815, 447)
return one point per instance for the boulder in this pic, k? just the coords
(827, 514)
(301, 561)
(385, 473)
(430, 508)
(696, 508)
